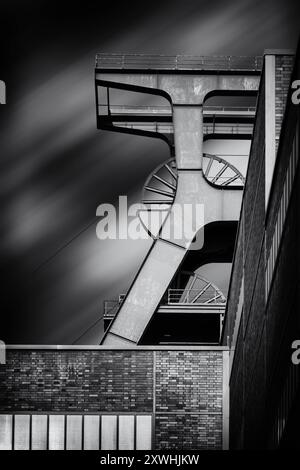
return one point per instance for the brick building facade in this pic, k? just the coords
(179, 393)
(262, 317)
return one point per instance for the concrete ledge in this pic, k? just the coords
(279, 52)
(71, 347)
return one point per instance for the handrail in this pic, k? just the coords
(211, 295)
(110, 307)
(167, 109)
(178, 62)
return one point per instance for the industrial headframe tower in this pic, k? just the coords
(166, 289)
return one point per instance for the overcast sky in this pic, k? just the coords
(57, 168)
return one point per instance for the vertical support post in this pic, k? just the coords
(188, 136)
(2, 92)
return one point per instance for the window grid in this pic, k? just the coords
(281, 214)
(74, 431)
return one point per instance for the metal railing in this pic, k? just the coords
(110, 307)
(209, 295)
(225, 128)
(178, 62)
(165, 128)
(167, 111)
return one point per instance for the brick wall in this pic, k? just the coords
(283, 78)
(190, 386)
(250, 232)
(182, 389)
(76, 381)
(283, 68)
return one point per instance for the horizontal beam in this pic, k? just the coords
(184, 308)
(162, 111)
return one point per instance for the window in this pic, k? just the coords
(75, 432)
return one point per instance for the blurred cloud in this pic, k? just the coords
(56, 168)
